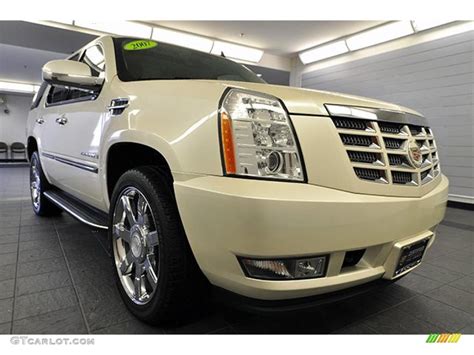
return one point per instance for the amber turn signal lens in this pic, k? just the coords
(227, 143)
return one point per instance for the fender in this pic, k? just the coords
(149, 139)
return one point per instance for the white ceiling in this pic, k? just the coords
(25, 47)
(24, 64)
(276, 37)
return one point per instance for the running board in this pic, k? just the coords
(78, 209)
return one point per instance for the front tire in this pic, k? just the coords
(38, 184)
(156, 273)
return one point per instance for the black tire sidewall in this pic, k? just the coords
(155, 308)
(46, 207)
(35, 160)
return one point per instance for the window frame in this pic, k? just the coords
(43, 89)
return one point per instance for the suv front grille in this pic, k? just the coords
(378, 151)
(350, 139)
(363, 157)
(369, 174)
(388, 127)
(401, 177)
(391, 143)
(349, 123)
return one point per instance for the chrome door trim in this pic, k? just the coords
(75, 164)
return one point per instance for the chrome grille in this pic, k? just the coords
(401, 177)
(351, 139)
(378, 151)
(387, 127)
(363, 157)
(369, 174)
(350, 123)
(391, 143)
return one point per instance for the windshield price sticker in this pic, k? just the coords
(139, 45)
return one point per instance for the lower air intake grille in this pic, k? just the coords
(353, 257)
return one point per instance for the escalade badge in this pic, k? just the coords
(414, 154)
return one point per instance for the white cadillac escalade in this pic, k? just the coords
(204, 175)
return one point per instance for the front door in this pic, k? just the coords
(72, 133)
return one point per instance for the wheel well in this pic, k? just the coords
(31, 146)
(125, 156)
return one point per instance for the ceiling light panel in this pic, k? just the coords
(323, 52)
(22, 88)
(236, 51)
(123, 28)
(379, 34)
(421, 25)
(182, 39)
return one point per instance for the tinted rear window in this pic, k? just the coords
(167, 62)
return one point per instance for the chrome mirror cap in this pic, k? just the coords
(71, 73)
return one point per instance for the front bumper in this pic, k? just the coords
(228, 217)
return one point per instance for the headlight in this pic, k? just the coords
(257, 137)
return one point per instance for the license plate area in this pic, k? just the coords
(411, 255)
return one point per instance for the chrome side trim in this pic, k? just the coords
(72, 213)
(375, 114)
(82, 166)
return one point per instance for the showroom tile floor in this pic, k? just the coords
(57, 278)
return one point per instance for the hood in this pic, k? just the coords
(311, 102)
(297, 100)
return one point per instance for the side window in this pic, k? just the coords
(75, 57)
(94, 58)
(57, 94)
(39, 95)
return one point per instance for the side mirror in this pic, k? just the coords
(71, 73)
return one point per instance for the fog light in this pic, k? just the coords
(285, 269)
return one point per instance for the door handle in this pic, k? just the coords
(40, 120)
(61, 120)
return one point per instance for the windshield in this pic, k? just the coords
(151, 60)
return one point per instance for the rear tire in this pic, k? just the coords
(38, 184)
(156, 273)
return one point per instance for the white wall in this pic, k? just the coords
(435, 78)
(13, 125)
(19, 64)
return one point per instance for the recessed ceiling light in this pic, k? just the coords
(15, 87)
(379, 34)
(237, 51)
(124, 28)
(421, 25)
(182, 39)
(323, 52)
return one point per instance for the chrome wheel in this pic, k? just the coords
(35, 184)
(135, 245)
